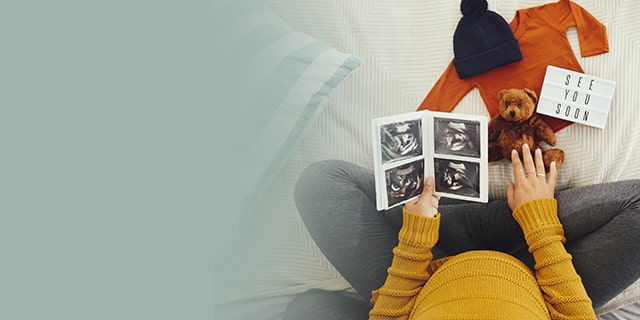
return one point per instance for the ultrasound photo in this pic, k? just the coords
(457, 177)
(457, 137)
(450, 147)
(401, 140)
(404, 182)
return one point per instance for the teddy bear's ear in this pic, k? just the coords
(531, 94)
(501, 93)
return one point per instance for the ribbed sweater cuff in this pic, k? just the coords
(419, 230)
(536, 213)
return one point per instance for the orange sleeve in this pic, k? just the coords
(592, 34)
(448, 90)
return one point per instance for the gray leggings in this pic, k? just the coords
(336, 201)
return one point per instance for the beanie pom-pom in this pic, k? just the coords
(473, 7)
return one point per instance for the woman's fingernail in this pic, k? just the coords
(553, 164)
(525, 145)
(429, 181)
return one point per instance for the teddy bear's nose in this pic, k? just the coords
(512, 113)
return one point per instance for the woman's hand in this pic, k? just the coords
(427, 203)
(531, 182)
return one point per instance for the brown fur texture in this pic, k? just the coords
(517, 124)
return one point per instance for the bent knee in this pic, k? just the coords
(316, 174)
(322, 182)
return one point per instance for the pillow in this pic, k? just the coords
(271, 85)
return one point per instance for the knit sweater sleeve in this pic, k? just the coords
(565, 296)
(592, 34)
(448, 90)
(409, 270)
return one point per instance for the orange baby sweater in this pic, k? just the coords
(541, 34)
(483, 284)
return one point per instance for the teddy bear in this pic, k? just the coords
(517, 124)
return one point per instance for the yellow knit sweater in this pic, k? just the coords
(483, 284)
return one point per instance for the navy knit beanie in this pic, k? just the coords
(482, 41)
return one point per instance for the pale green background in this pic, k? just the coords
(107, 193)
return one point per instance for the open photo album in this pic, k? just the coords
(450, 147)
